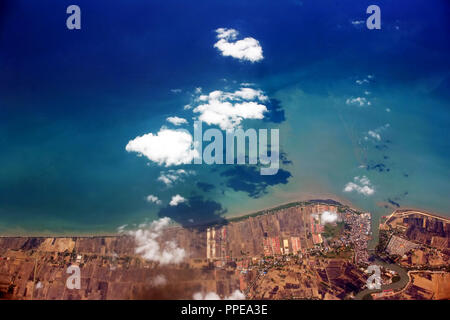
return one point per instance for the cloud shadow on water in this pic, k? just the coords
(249, 179)
(206, 187)
(195, 212)
(276, 112)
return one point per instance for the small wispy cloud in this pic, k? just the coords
(159, 281)
(357, 22)
(236, 295)
(361, 185)
(153, 199)
(169, 177)
(358, 101)
(176, 120)
(376, 133)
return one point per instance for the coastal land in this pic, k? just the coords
(316, 249)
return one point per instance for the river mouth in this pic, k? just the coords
(400, 284)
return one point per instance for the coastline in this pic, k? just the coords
(303, 197)
(298, 197)
(294, 199)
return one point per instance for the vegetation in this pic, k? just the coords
(282, 207)
(383, 240)
(333, 231)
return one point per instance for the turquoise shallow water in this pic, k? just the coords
(324, 138)
(70, 103)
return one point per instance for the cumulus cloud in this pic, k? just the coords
(247, 49)
(151, 249)
(229, 109)
(359, 101)
(236, 295)
(328, 217)
(376, 133)
(167, 147)
(361, 185)
(176, 200)
(171, 176)
(153, 199)
(176, 120)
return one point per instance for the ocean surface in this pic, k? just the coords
(355, 108)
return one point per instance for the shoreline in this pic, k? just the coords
(301, 198)
(100, 234)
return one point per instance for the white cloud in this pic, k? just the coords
(176, 200)
(374, 135)
(208, 296)
(175, 90)
(187, 107)
(360, 101)
(357, 22)
(153, 199)
(228, 109)
(388, 110)
(365, 80)
(361, 185)
(171, 176)
(243, 94)
(176, 120)
(158, 281)
(121, 228)
(236, 295)
(168, 147)
(362, 81)
(149, 247)
(249, 94)
(246, 49)
(198, 90)
(328, 217)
